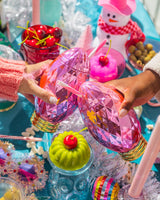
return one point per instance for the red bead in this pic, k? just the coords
(70, 142)
(5, 170)
(8, 154)
(14, 171)
(103, 60)
(50, 42)
(57, 32)
(41, 171)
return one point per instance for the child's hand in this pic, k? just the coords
(29, 87)
(137, 90)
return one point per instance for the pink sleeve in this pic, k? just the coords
(11, 74)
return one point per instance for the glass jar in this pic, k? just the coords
(34, 55)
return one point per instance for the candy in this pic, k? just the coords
(69, 151)
(105, 189)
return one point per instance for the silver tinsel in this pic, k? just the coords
(72, 22)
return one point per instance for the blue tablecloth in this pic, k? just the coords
(15, 121)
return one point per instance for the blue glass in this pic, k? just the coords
(70, 185)
(50, 11)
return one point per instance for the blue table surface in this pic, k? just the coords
(15, 121)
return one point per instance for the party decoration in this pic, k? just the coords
(70, 166)
(115, 24)
(71, 67)
(85, 40)
(99, 107)
(30, 173)
(40, 42)
(27, 171)
(69, 151)
(103, 67)
(73, 22)
(5, 157)
(105, 189)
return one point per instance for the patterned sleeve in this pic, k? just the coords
(11, 74)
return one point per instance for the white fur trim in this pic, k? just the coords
(154, 65)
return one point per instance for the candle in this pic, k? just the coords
(146, 163)
(35, 12)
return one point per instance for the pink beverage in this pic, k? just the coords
(35, 50)
(99, 108)
(72, 68)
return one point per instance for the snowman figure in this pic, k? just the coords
(116, 25)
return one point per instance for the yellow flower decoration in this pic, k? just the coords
(92, 116)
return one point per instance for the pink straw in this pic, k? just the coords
(11, 137)
(148, 159)
(69, 88)
(97, 49)
(35, 12)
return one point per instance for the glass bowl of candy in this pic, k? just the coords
(9, 189)
(40, 42)
(141, 53)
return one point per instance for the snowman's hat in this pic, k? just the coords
(125, 7)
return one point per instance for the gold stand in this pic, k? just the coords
(136, 152)
(43, 125)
